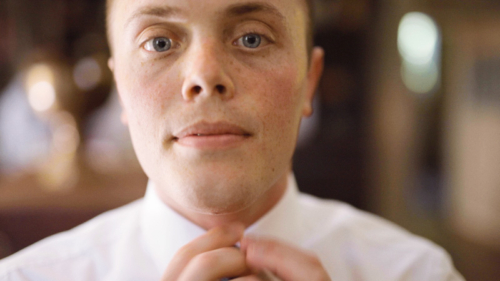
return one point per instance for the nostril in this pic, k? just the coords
(220, 89)
(197, 89)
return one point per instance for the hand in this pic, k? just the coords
(286, 262)
(209, 257)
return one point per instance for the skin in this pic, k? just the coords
(227, 181)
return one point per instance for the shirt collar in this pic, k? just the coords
(165, 231)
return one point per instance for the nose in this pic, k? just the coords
(206, 73)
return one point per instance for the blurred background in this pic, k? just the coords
(406, 122)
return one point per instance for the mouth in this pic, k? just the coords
(205, 135)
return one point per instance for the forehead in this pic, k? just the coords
(127, 10)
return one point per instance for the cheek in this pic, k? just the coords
(146, 92)
(276, 101)
(146, 95)
(282, 100)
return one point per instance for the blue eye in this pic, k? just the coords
(159, 44)
(251, 40)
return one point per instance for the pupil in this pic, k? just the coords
(252, 40)
(162, 44)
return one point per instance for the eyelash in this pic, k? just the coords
(266, 39)
(175, 44)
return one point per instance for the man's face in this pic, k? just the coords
(213, 93)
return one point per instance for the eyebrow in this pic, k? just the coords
(163, 11)
(237, 10)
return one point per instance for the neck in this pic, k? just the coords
(247, 216)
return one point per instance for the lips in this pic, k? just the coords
(211, 135)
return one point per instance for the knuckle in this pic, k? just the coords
(311, 258)
(185, 251)
(223, 231)
(314, 260)
(251, 278)
(268, 247)
(319, 273)
(204, 261)
(320, 276)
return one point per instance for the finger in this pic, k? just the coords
(263, 275)
(215, 265)
(218, 237)
(287, 262)
(249, 278)
(266, 275)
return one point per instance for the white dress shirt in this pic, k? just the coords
(137, 241)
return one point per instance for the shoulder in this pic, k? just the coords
(371, 245)
(333, 217)
(75, 246)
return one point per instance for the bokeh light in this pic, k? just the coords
(419, 46)
(417, 38)
(40, 86)
(420, 79)
(87, 73)
(41, 96)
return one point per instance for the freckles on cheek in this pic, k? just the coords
(148, 92)
(281, 97)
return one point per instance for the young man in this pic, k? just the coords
(213, 93)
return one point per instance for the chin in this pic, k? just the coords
(216, 187)
(220, 197)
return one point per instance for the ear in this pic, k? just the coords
(111, 64)
(123, 115)
(313, 76)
